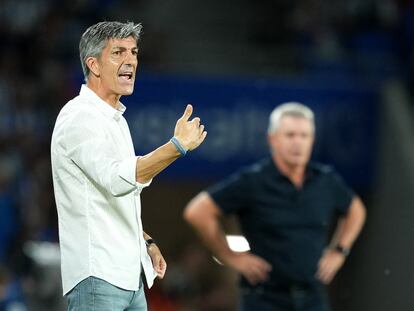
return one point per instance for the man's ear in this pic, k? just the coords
(93, 65)
(272, 140)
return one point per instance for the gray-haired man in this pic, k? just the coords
(98, 178)
(284, 204)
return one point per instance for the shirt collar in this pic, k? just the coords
(310, 171)
(103, 106)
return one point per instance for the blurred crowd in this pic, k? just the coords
(40, 71)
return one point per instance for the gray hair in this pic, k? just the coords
(95, 38)
(292, 109)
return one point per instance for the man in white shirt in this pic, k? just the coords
(98, 178)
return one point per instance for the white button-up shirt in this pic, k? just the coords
(97, 196)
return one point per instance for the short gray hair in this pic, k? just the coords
(292, 109)
(95, 38)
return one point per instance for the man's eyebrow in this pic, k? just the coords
(135, 48)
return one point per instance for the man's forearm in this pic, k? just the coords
(215, 240)
(351, 225)
(149, 165)
(146, 236)
(188, 135)
(203, 215)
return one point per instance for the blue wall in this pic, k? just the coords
(235, 112)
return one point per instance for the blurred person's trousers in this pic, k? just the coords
(293, 297)
(96, 294)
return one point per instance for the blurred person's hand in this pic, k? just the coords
(158, 261)
(329, 264)
(254, 268)
(190, 134)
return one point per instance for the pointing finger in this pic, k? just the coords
(187, 112)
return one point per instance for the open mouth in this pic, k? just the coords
(126, 76)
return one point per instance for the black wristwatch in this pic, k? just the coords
(343, 250)
(149, 242)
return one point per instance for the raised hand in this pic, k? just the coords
(190, 134)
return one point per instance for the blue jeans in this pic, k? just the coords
(94, 294)
(311, 297)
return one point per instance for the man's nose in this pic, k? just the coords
(131, 58)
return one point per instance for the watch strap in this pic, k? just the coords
(149, 241)
(343, 250)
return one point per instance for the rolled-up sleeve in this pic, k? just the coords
(141, 186)
(88, 147)
(127, 170)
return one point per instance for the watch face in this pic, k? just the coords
(149, 242)
(343, 250)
